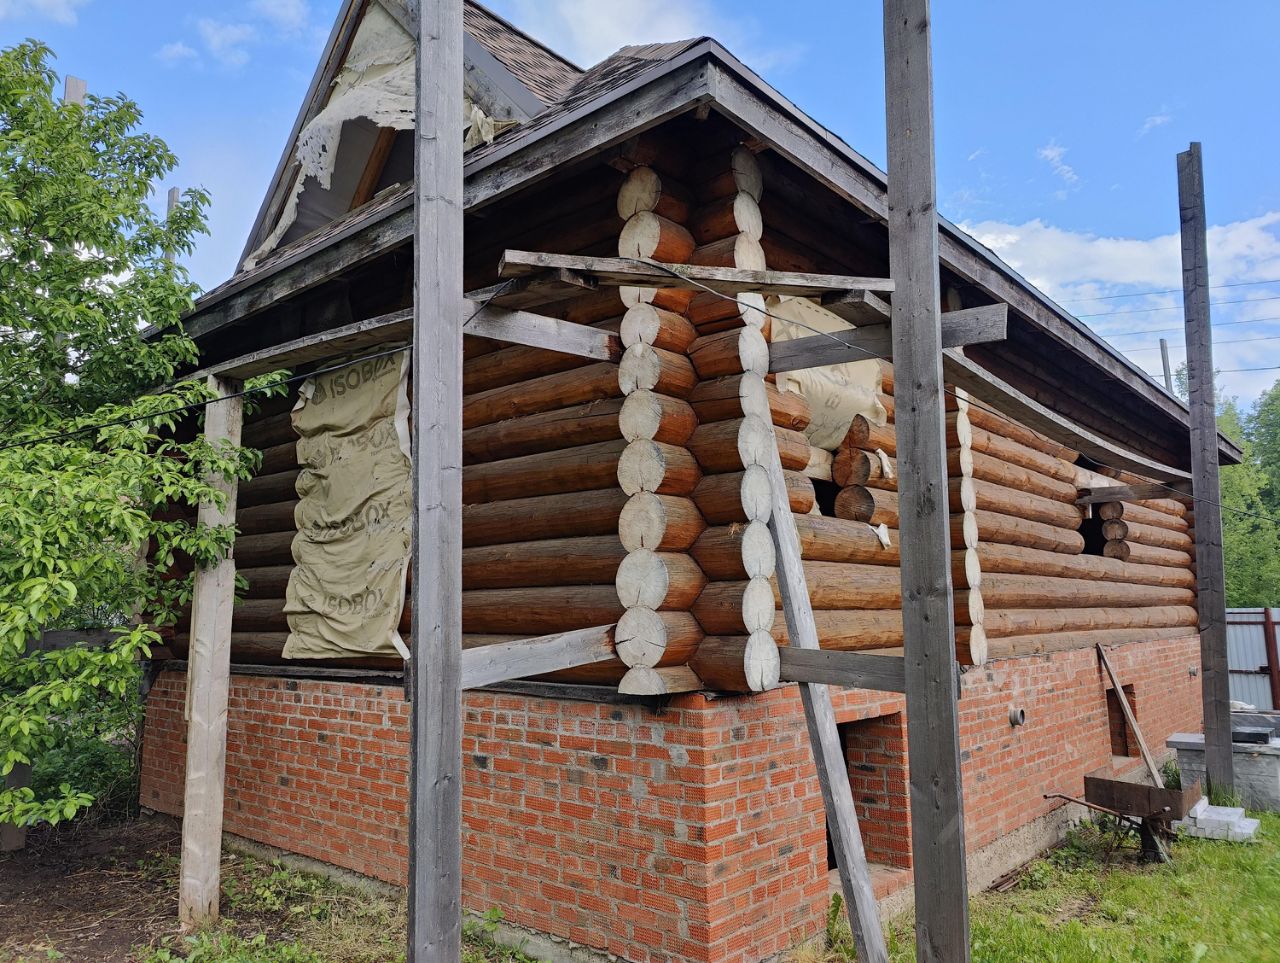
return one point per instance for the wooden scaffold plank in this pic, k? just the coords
(208, 682)
(435, 790)
(1210, 584)
(503, 661)
(933, 727)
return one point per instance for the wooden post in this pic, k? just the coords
(933, 732)
(13, 838)
(1211, 594)
(1152, 769)
(1164, 361)
(208, 678)
(435, 801)
(824, 737)
(1273, 656)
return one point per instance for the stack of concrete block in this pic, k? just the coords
(1218, 822)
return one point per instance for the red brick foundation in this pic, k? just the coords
(695, 833)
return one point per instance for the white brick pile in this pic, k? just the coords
(1218, 822)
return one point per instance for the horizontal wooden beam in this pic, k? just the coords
(618, 271)
(990, 391)
(853, 670)
(970, 326)
(1130, 493)
(539, 331)
(861, 308)
(487, 664)
(375, 332)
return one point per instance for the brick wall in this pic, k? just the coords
(692, 834)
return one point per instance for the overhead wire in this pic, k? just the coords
(1145, 294)
(1177, 307)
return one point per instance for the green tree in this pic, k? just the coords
(94, 469)
(1263, 430)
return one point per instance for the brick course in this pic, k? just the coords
(695, 833)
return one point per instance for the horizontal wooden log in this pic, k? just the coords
(263, 519)
(987, 419)
(1005, 591)
(539, 610)
(853, 466)
(737, 664)
(1008, 530)
(991, 497)
(868, 436)
(489, 664)
(271, 548)
(645, 368)
(650, 466)
(730, 353)
(983, 467)
(1147, 554)
(648, 235)
(647, 190)
(1015, 453)
(852, 631)
(720, 446)
(735, 552)
(724, 399)
(744, 496)
(561, 390)
(511, 365)
(659, 523)
(1092, 495)
(587, 560)
(649, 416)
(1001, 623)
(658, 580)
(644, 637)
(1020, 646)
(278, 458)
(267, 489)
(645, 324)
(833, 586)
(669, 298)
(644, 681)
(741, 175)
(1017, 560)
(269, 431)
(586, 424)
(740, 251)
(568, 515)
(727, 217)
(587, 468)
(852, 670)
(266, 581)
(871, 505)
(1117, 529)
(825, 539)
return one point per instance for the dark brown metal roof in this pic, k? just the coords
(536, 66)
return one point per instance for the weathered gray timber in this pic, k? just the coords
(620, 271)
(852, 670)
(959, 328)
(1153, 771)
(928, 631)
(1210, 588)
(1164, 363)
(435, 781)
(992, 392)
(489, 664)
(1129, 493)
(858, 307)
(539, 331)
(824, 737)
(208, 682)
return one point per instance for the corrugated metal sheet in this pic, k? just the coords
(1246, 654)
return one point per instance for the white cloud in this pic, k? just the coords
(290, 16)
(59, 11)
(172, 53)
(1053, 152)
(587, 31)
(226, 42)
(980, 152)
(1154, 121)
(1085, 272)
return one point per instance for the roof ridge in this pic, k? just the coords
(527, 36)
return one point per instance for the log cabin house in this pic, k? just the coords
(661, 804)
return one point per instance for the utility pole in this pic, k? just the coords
(1164, 360)
(928, 628)
(435, 800)
(1210, 594)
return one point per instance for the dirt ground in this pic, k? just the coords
(90, 892)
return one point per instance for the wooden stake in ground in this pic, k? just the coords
(435, 782)
(1211, 593)
(1152, 769)
(208, 680)
(933, 740)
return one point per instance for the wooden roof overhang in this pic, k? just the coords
(572, 136)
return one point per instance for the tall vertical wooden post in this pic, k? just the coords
(1273, 655)
(435, 816)
(1211, 600)
(208, 679)
(933, 732)
(1164, 363)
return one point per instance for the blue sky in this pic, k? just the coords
(1057, 124)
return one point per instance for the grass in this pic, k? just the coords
(1216, 902)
